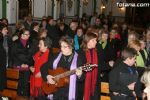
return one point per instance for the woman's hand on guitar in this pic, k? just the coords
(50, 79)
(79, 72)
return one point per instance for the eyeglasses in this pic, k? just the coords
(27, 34)
(64, 47)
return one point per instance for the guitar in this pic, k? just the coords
(61, 77)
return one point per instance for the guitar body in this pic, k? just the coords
(51, 88)
(61, 77)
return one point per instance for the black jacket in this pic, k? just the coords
(53, 34)
(20, 54)
(2, 66)
(121, 76)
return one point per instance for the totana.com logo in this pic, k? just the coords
(121, 4)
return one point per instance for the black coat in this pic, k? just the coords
(20, 54)
(2, 66)
(121, 76)
(53, 34)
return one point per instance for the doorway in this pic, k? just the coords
(24, 8)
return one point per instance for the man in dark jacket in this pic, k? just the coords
(124, 77)
(53, 32)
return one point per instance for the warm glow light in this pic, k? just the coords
(102, 7)
(122, 8)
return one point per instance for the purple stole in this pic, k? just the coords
(72, 85)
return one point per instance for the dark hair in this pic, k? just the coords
(2, 25)
(128, 53)
(87, 37)
(47, 41)
(67, 40)
(34, 24)
(22, 31)
(79, 27)
(5, 19)
(49, 18)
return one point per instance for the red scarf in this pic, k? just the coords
(91, 77)
(35, 83)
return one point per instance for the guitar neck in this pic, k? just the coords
(65, 74)
(86, 68)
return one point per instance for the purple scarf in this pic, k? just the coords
(72, 86)
(24, 42)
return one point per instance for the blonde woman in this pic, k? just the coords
(146, 80)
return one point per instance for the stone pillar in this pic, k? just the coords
(11, 11)
(56, 9)
(81, 9)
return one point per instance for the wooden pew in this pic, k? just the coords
(12, 84)
(105, 91)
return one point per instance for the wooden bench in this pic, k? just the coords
(105, 91)
(12, 84)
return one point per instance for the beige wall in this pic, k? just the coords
(72, 10)
(12, 14)
(112, 7)
(88, 9)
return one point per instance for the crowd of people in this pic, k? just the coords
(119, 53)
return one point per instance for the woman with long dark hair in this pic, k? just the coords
(91, 86)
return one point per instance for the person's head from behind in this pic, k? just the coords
(135, 44)
(44, 44)
(146, 77)
(128, 56)
(66, 45)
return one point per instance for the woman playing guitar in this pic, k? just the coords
(66, 59)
